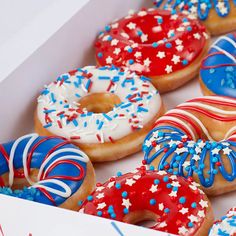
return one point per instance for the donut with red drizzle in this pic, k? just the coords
(176, 204)
(165, 47)
(218, 69)
(197, 139)
(59, 171)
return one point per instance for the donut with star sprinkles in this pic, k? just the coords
(175, 204)
(218, 69)
(197, 139)
(105, 111)
(48, 170)
(226, 226)
(219, 16)
(165, 47)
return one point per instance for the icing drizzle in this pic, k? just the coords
(61, 166)
(218, 70)
(178, 141)
(226, 226)
(60, 112)
(152, 37)
(199, 8)
(178, 203)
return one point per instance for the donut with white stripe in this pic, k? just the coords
(105, 111)
(219, 16)
(226, 226)
(218, 69)
(58, 171)
(175, 204)
(166, 47)
(197, 139)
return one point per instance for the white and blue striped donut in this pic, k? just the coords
(218, 69)
(61, 167)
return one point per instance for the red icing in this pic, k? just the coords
(187, 42)
(142, 190)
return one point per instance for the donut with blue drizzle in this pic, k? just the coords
(218, 69)
(197, 140)
(218, 16)
(48, 170)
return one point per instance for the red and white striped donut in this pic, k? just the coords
(197, 139)
(176, 204)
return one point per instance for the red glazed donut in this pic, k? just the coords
(166, 47)
(176, 204)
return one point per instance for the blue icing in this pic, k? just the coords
(62, 169)
(184, 5)
(165, 136)
(218, 70)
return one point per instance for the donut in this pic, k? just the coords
(48, 170)
(219, 16)
(226, 226)
(218, 69)
(166, 47)
(105, 111)
(175, 204)
(197, 139)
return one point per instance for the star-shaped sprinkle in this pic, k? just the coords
(215, 151)
(129, 182)
(101, 205)
(201, 214)
(162, 224)
(197, 36)
(136, 177)
(193, 218)
(168, 69)
(111, 184)
(183, 210)
(186, 164)
(203, 203)
(99, 189)
(109, 60)
(161, 206)
(161, 54)
(117, 51)
(162, 172)
(144, 38)
(175, 184)
(100, 195)
(153, 189)
(180, 48)
(183, 230)
(126, 203)
(173, 194)
(227, 151)
(131, 26)
(196, 157)
(142, 13)
(175, 59)
(147, 62)
(114, 42)
(138, 54)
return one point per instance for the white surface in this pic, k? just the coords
(69, 47)
(25, 218)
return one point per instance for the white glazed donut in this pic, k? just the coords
(105, 111)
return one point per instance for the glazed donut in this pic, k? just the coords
(175, 204)
(218, 69)
(197, 139)
(219, 16)
(58, 170)
(168, 48)
(226, 226)
(105, 111)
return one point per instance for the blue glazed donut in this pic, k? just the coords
(218, 69)
(55, 171)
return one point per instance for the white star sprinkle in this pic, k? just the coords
(138, 54)
(201, 214)
(142, 13)
(126, 203)
(178, 42)
(193, 218)
(198, 150)
(227, 151)
(215, 151)
(175, 59)
(162, 172)
(101, 205)
(111, 184)
(114, 42)
(109, 60)
(197, 36)
(196, 157)
(173, 194)
(203, 203)
(144, 38)
(117, 51)
(99, 189)
(175, 184)
(147, 62)
(153, 189)
(183, 210)
(162, 224)
(136, 177)
(161, 54)
(157, 148)
(161, 206)
(180, 48)
(168, 69)
(129, 182)
(131, 26)
(100, 195)
(183, 230)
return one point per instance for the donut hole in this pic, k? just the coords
(99, 102)
(142, 218)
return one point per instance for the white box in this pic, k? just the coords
(56, 40)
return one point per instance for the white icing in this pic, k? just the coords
(118, 127)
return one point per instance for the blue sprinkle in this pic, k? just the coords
(165, 178)
(100, 125)
(100, 55)
(155, 45)
(99, 213)
(185, 62)
(126, 211)
(107, 28)
(190, 224)
(124, 194)
(118, 186)
(160, 20)
(113, 215)
(166, 210)
(131, 61)
(156, 181)
(168, 45)
(194, 205)
(152, 201)
(182, 200)
(169, 185)
(189, 28)
(90, 198)
(118, 174)
(130, 50)
(47, 125)
(151, 168)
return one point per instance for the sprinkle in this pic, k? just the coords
(152, 202)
